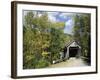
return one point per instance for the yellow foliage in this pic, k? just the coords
(44, 53)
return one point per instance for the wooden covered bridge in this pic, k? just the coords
(72, 49)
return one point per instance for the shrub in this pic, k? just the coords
(42, 63)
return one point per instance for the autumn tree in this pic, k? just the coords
(41, 37)
(35, 40)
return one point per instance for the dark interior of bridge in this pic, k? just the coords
(73, 51)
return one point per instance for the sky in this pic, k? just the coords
(63, 17)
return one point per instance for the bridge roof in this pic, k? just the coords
(72, 43)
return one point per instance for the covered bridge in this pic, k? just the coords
(72, 49)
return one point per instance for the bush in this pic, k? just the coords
(55, 56)
(30, 63)
(42, 63)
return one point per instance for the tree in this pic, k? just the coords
(82, 33)
(57, 42)
(41, 37)
(35, 40)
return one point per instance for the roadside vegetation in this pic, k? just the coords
(44, 39)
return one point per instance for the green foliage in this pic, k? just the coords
(42, 63)
(42, 40)
(29, 59)
(82, 33)
(57, 41)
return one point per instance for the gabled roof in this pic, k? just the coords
(71, 43)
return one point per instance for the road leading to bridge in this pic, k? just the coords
(72, 62)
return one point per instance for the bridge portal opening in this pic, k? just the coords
(73, 51)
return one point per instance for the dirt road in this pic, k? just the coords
(72, 62)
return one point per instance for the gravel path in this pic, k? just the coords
(72, 62)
